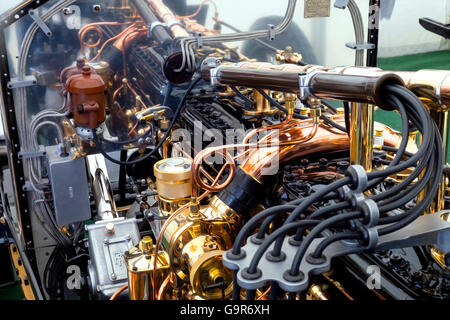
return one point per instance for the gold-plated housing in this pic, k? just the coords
(173, 178)
(195, 244)
(173, 183)
(139, 261)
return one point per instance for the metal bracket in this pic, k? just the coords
(28, 81)
(360, 46)
(341, 4)
(33, 154)
(199, 37)
(27, 185)
(426, 230)
(271, 29)
(33, 14)
(173, 22)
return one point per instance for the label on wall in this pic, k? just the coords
(317, 8)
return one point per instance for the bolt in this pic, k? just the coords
(109, 228)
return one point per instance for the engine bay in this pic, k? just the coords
(150, 159)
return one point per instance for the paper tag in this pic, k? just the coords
(317, 8)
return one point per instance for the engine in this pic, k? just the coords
(150, 159)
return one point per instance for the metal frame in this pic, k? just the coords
(11, 128)
(372, 36)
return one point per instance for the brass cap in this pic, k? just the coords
(146, 244)
(173, 178)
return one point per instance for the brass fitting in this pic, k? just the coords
(378, 140)
(291, 102)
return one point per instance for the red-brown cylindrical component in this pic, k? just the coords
(87, 96)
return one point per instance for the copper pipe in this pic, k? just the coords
(119, 291)
(326, 139)
(324, 84)
(166, 15)
(430, 84)
(163, 287)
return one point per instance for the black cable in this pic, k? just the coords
(247, 102)
(333, 124)
(309, 201)
(347, 116)
(277, 105)
(314, 233)
(333, 238)
(166, 135)
(280, 232)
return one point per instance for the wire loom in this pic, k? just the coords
(352, 217)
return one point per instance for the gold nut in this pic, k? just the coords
(2, 220)
(146, 244)
(164, 124)
(304, 111)
(315, 113)
(314, 101)
(340, 111)
(379, 132)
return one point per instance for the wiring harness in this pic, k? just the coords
(357, 213)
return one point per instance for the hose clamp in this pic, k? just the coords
(173, 22)
(304, 80)
(155, 24)
(213, 75)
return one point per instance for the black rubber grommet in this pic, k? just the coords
(231, 256)
(293, 242)
(288, 277)
(316, 261)
(270, 257)
(255, 240)
(251, 276)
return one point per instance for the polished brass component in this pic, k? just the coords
(316, 293)
(263, 107)
(439, 257)
(304, 111)
(413, 135)
(21, 272)
(195, 242)
(378, 140)
(65, 230)
(173, 183)
(164, 124)
(361, 135)
(340, 111)
(173, 178)
(291, 102)
(146, 244)
(288, 56)
(139, 261)
(315, 113)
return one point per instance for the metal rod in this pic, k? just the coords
(361, 135)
